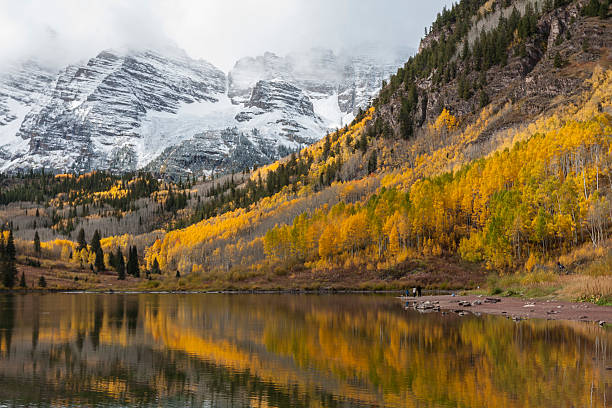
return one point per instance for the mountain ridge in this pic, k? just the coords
(121, 110)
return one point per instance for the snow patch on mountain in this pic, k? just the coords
(160, 130)
(328, 108)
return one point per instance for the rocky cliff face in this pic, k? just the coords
(23, 88)
(163, 110)
(529, 84)
(351, 79)
(93, 114)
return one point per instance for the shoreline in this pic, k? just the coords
(212, 291)
(513, 308)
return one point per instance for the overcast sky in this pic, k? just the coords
(220, 31)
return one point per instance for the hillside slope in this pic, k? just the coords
(369, 200)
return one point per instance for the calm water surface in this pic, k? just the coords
(220, 350)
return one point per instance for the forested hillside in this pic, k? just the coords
(490, 150)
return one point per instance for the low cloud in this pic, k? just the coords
(59, 32)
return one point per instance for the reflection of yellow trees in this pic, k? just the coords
(366, 348)
(481, 363)
(210, 345)
(471, 362)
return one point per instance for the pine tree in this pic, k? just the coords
(372, 163)
(326, 147)
(96, 248)
(120, 265)
(9, 273)
(8, 268)
(363, 142)
(484, 99)
(132, 265)
(81, 240)
(155, 268)
(466, 50)
(99, 263)
(36, 243)
(604, 6)
(95, 241)
(112, 260)
(42, 282)
(22, 281)
(10, 247)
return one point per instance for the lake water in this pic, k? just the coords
(222, 350)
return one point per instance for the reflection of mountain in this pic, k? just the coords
(287, 351)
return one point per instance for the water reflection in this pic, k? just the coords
(286, 351)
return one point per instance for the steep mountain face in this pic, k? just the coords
(129, 110)
(338, 85)
(22, 89)
(93, 114)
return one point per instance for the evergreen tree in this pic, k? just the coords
(99, 263)
(604, 7)
(594, 8)
(95, 241)
(120, 265)
(155, 268)
(372, 163)
(96, 248)
(363, 142)
(10, 247)
(132, 265)
(42, 282)
(22, 281)
(112, 260)
(326, 147)
(484, 99)
(81, 240)
(36, 243)
(466, 50)
(8, 268)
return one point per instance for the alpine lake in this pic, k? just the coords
(289, 350)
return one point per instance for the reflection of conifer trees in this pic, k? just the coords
(94, 335)
(35, 321)
(131, 314)
(7, 321)
(80, 339)
(118, 314)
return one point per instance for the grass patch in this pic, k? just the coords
(589, 289)
(599, 267)
(604, 301)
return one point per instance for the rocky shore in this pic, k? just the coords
(513, 308)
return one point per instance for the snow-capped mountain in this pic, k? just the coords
(166, 112)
